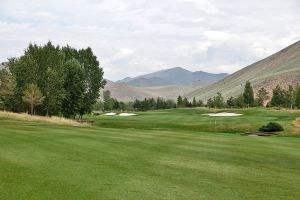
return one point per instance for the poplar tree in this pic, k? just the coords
(248, 94)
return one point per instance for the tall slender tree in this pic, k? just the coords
(93, 76)
(297, 98)
(108, 101)
(74, 88)
(248, 94)
(179, 102)
(194, 102)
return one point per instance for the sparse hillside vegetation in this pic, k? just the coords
(282, 68)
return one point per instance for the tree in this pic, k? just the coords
(297, 99)
(108, 102)
(248, 94)
(230, 102)
(218, 101)
(74, 88)
(186, 102)
(42, 65)
(262, 96)
(7, 85)
(179, 102)
(200, 103)
(194, 102)
(289, 95)
(239, 101)
(45, 66)
(93, 76)
(98, 106)
(278, 98)
(55, 92)
(33, 96)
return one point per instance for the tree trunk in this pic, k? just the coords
(31, 108)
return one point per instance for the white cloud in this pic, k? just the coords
(135, 37)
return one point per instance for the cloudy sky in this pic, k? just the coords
(135, 37)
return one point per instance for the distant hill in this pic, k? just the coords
(167, 83)
(125, 92)
(173, 76)
(281, 68)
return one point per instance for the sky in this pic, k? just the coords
(136, 37)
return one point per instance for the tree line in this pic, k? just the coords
(51, 80)
(286, 98)
(112, 104)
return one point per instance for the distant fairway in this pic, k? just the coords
(173, 154)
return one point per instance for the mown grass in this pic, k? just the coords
(40, 160)
(194, 120)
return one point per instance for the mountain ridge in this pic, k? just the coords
(172, 76)
(281, 68)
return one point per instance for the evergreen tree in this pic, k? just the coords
(186, 102)
(179, 102)
(200, 103)
(248, 94)
(194, 103)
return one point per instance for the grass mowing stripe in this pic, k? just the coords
(44, 161)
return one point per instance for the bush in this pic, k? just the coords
(271, 127)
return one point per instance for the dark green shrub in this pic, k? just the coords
(271, 127)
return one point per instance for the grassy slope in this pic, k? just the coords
(281, 68)
(45, 161)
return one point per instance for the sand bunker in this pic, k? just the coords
(223, 114)
(121, 114)
(110, 114)
(127, 114)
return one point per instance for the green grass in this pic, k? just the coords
(156, 155)
(194, 120)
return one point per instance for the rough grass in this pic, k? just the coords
(27, 117)
(296, 123)
(156, 155)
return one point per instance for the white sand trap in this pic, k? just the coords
(223, 114)
(127, 114)
(110, 114)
